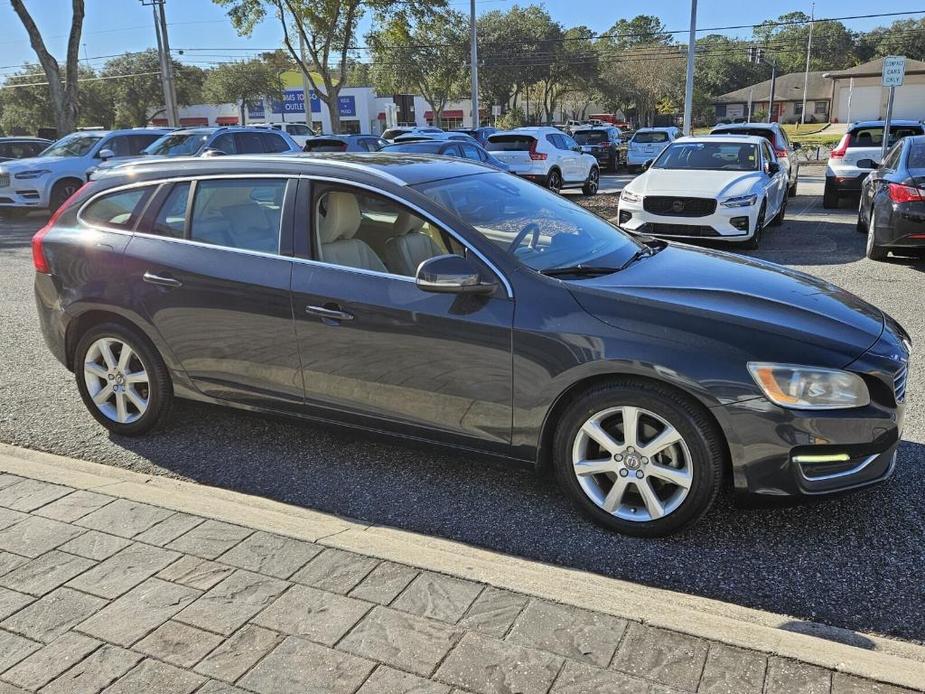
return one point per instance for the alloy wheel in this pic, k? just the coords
(593, 181)
(632, 463)
(117, 380)
(870, 233)
(555, 181)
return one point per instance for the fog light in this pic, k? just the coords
(740, 223)
(625, 216)
(831, 458)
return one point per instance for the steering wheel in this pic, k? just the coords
(522, 234)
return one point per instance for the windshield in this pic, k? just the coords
(75, 145)
(177, 145)
(538, 228)
(649, 137)
(709, 156)
(590, 137)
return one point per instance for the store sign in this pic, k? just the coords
(894, 70)
(294, 102)
(256, 110)
(347, 105)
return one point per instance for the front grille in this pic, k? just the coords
(680, 230)
(899, 383)
(671, 206)
(4, 180)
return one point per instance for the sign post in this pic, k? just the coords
(894, 70)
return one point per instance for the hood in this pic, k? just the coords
(708, 184)
(119, 161)
(33, 162)
(730, 304)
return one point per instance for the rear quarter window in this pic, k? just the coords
(509, 143)
(119, 210)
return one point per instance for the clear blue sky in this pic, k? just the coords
(116, 26)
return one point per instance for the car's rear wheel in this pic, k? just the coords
(861, 225)
(873, 250)
(122, 379)
(554, 181)
(61, 191)
(638, 458)
(792, 190)
(829, 196)
(592, 182)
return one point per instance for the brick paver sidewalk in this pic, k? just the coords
(102, 593)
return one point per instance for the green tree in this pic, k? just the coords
(903, 37)
(641, 30)
(723, 66)
(244, 83)
(428, 57)
(785, 39)
(328, 30)
(62, 84)
(136, 89)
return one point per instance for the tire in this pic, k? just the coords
(861, 225)
(753, 243)
(779, 217)
(554, 180)
(792, 190)
(614, 164)
(156, 390)
(829, 197)
(874, 251)
(593, 182)
(696, 458)
(61, 191)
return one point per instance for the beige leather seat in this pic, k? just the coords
(336, 229)
(409, 246)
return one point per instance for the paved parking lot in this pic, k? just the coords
(857, 561)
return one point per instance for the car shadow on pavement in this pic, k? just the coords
(822, 631)
(805, 558)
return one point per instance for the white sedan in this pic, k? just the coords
(719, 187)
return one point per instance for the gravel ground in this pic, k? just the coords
(856, 561)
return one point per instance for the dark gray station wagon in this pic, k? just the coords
(443, 300)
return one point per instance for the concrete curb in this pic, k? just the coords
(885, 660)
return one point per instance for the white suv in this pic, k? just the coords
(299, 132)
(546, 156)
(46, 181)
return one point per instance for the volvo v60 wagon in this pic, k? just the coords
(443, 300)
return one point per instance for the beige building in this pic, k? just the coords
(856, 93)
(788, 99)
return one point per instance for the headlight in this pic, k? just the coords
(809, 388)
(630, 196)
(35, 173)
(740, 201)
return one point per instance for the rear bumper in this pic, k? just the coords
(53, 320)
(634, 158)
(906, 226)
(845, 182)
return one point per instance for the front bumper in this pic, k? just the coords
(780, 452)
(724, 224)
(25, 194)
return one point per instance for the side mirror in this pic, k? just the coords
(576, 148)
(106, 154)
(451, 274)
(773, 168)
(646, 164)
(867, 164)
(212, 152)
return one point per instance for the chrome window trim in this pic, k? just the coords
(425, 215)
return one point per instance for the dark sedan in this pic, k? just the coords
(442, 300)
(605, 144)
(892, 209)
(449, 148)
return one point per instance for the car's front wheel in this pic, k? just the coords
(638, 458)
(122, 379)
(554, 181)
(61, 191)
(755, 240)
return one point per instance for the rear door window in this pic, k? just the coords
(171, 218)
(118, 210)
(121, 146)
(249, 143)
(273, 143)
(225, 143)
(471, 152)
(238, 213)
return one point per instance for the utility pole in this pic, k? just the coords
(809, 51)
(163, 49)
(689, 86)
(306, 90)
(773, 87)
(474, 60)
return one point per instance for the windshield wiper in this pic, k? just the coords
(580, 270)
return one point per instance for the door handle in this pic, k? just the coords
(328, 313)
(161, 280)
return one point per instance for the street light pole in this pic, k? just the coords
(809, 51)
(689, 86)
(163, 49)
(474, 58)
